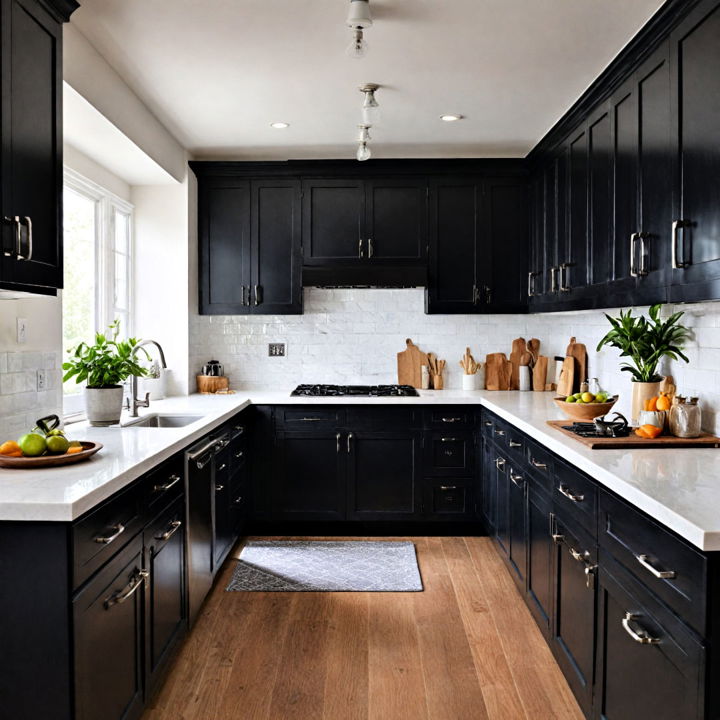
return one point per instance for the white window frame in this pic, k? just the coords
(106, 205)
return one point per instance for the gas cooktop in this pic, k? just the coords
(358, 390)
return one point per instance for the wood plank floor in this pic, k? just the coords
(466, 648)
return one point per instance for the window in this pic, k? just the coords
(98, 263)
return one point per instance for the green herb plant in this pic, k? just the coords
(106, 363)
(646, 341)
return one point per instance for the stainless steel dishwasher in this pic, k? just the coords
(200, 498)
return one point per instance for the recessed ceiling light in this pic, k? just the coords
(451, 118)
(279, 125)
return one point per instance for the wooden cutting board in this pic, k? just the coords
(409, 363)
(567, 378)
(633, 441)
(578, 351)
(498, 371)
(540, 374)
(519, 348)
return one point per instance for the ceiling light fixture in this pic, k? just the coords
(363, 152)
(357, 20)
(451, 118)
(279, 125)
(370, 108)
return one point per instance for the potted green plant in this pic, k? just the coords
(103, 366)
(645, 341)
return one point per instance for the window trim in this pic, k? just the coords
(107, 204)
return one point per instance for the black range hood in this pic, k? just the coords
(378, 276)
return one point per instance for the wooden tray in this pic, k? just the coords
(633, 441)
(89, 448)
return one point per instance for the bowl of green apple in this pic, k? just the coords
(586, 406)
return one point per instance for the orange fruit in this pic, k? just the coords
(663, 402)
(641, 433)
(10, 448)
(652, 404)
(73, 450)
(651, 431)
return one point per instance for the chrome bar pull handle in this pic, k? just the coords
(570, 495)
(514, 444)
(517, 480)
(553, 279)
(633, 254)
(564, 284)
(640, 636)
(131, 589)
(448, 487)
(337, 443)
(643, 236)
(539, 465)
(499, 463)
(18, 238)
(578, 556)
(172, 529)
(448, 439)
(219, 488)
(530, 290)
(119, 530)
(488, 295)
(676, 262)
(174, 480)
(258, 295)
(501, 433)
(659, 574)
(28, 224)
(371, 250)
(360, 248)
(349, 442)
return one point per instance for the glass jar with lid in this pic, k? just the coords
(685, 419)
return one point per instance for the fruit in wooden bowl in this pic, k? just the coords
(584, 411)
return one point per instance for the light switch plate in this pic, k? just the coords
(276, 349)
(41, 380)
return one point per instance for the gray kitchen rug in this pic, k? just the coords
(327, 566)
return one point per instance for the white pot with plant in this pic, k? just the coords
(646, 341)
(103, 366)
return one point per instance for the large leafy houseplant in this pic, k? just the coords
(106, 363)
(645, 341)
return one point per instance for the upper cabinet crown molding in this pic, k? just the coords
(61, 10)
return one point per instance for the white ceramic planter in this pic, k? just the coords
(103, 406)
(642, 391)
(470, 382)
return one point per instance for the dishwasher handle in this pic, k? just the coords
(204, 455)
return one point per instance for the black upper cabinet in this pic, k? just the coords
(695, 58)
(600, 166)
(250, 259)
(478, 245)
(364, 221)
(31, 128)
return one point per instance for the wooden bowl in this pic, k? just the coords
(585, 412)
(89, 448)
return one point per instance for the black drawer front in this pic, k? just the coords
(170, 521)
(515, 443)
(107, 529)
(575, 497)
(647, 550)
(449, 453)
(238, 454)
(487, 424)
(309, 418)
(381, 417)
(540, 462)
(451, 417)
(164, 484)
(450, 498)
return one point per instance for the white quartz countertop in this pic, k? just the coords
(680, 488)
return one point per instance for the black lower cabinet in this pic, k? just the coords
(309, 478)
(540, 550)
(108, 617)
(488, 487)
(573, 641)
(502, 500)
(383, 482)
(650, 666)
(165, 606)
(517, 523)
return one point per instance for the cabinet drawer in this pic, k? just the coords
(575, 497)
(238, 454)
(515, 443)
(451, 417)
(380, 417)
(308, 418)
(449, 498)
(107, 529)
(540, 462)
(663, 563)
(449, 453)
(163, 485)
(487, 424)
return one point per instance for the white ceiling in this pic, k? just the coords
(218, 72)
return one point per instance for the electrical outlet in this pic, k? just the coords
(276, 349)
(21, 330)
(41, 380)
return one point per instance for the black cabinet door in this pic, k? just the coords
(576, 265)
(333, 217)
(224, 221)
(536, 276)
(396, 220)
(550, 246)
(600, 210)
(165, 614)
(489, 486)
(503, 279)
(223, 518)
(517, 522)
(31, 59)
(383, 474)
(540, 554)
(650, 667)
(695, 58)
(455, 211)
(573, 641)
(107, 617)
(276, 254)
(309, 480)
(502, 502)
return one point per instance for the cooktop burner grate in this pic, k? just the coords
(588, 430)
(354, 390)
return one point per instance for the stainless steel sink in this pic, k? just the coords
(162, 421)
